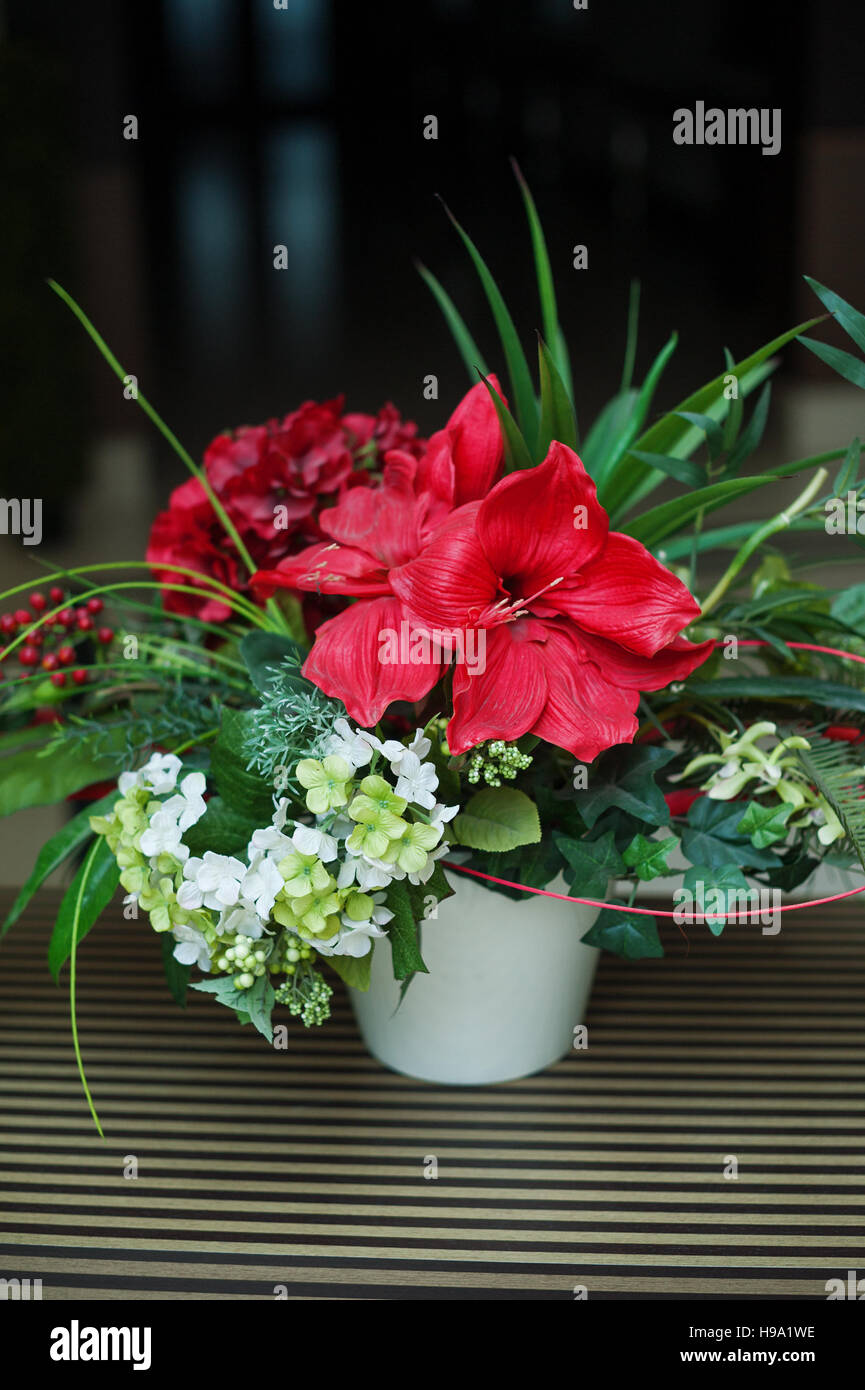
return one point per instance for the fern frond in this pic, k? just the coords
(836, 774)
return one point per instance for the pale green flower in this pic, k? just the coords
(325, 782)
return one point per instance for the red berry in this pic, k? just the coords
(8, 623)
(49, 620)
(106, 635)
(56, 595)
(85, 622)
(79, 676)
(36, 638)
(66, 617)
(28, 656)
(65, 655)
(24, 617)
(38, 603)
(95, 605)
(50, 662)
(58, 678)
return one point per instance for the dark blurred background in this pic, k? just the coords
(301, 123)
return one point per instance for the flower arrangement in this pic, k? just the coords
(360, 663)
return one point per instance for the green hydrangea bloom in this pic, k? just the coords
(303, 873)
(411, 852)
(325, 782)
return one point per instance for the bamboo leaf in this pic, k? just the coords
(683, 470)
(653, 526)
(752, 434)
(844, 363)
(849, 318)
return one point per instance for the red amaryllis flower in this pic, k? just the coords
(575, 620)
(272, 480)
(373, 531)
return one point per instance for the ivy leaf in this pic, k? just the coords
(592, 863)
(712, 837)
(498, 818)
(101, 877)
(624, 933)
(353, 970)
(711, 889)
(625, 777)
(403, 932)
(176, 974)
(648, 858)
(765, 824)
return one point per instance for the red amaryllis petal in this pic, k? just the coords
(625, 594)
(682, 799)
(451, 584)
(476, 443)
(542, 524)
(324, 568)
(505, 695)
(369, 656)
(381, 521)
(584, 712)
(672, 663)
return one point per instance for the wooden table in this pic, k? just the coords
(305, 1168)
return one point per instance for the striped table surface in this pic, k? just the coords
(707, 1145)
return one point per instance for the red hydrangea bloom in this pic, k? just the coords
(576, 619)
(273, 481)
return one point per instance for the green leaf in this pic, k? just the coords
(592, 863)
(653, 526)
(617, 455)
(468, 348)
(625, 777)
(624, 933)
(733, 422)
(605, 436)
(752, 435)
(522, 388)
(710, 427)
(516, 449)
(849, 470)
(557, 412)
(683, 470)
(715, 888)
(827, 694)
(648, 858)
(96, 882)
(222, 829)
(844, 363)
(176, 975)
(765, 824)
(29, 780)
(353, 970)
(674, 435)
(55, 851)
(262, 650)
(546, 287)
(498, 818)
(243, 792)
(402, 930)
(631, 334)
(712, 837)
(849, 607)
(256, 1002)
(849, 318)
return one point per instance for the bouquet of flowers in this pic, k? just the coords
(359, 664)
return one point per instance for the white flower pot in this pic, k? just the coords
(508, 983)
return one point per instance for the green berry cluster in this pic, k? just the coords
(247, 956)
(496, 760)
(307, 994)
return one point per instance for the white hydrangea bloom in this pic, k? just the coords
(188, 803)
(308, 839)
(191, 948)
(242, 919)
(159, 773)
(417, 781)
(162, 836)
(261, 884)
(218, 876)
(440, 814)
(365, 873)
